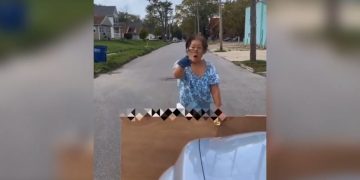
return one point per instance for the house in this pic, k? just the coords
(102, 28)
(134, 29)
(214, 28)
(261, 24)
(110, 12)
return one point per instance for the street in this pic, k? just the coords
(146, 82)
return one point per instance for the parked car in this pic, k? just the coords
(235, 38)
(227, 39)
(175, 39)
(241, 156)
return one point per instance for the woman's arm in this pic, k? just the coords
(215, 92)
(178, 72)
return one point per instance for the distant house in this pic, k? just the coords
(134, 29)
(117, 29)
(261, 24)
(214, 28)
(102, 28)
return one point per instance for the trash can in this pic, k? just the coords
(100, 53)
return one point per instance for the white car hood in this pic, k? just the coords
(236, 157)
(241, 156)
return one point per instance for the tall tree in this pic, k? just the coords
(150, 23)
(234, 18)
(332, 10)
(176, 31)
(195, 15)
(161, 11)
(129, 18)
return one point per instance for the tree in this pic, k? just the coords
(143, 33)
(234, 18)
(151, 24)
(189, 11)
(158, 32)
(160, 11)
(332, 12)
(128, 18)
(176, 31)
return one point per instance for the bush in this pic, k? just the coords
(128, 36)
(143, 34)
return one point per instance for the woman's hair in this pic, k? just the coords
(199, 38)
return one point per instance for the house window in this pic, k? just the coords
(101, 29)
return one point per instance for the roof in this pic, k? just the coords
(134, 27)
(98, 19)
(104, 10)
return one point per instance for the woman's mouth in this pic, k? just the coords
(195, 56)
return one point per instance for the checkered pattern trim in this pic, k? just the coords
(172, 113)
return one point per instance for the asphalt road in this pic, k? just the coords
(146, 82)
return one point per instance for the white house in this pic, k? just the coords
(111, 21)
(102, 28)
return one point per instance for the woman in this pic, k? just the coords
(199, 81)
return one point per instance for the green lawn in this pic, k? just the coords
(123, 52)
(258, 65)
(47, 20)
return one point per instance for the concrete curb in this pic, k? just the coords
(250, 69)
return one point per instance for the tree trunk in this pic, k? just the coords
(332, 15)
(220, 27)
(253, 31)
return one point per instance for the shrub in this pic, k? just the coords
(128, 36)
(143, 34)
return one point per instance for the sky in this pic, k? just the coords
(136, 7)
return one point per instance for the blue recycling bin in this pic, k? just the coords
(100, 53)
(13, 15)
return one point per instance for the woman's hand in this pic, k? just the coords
(184, 62)
(215, 91)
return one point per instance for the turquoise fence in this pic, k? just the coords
(261, 25)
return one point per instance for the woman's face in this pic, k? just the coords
(195, 51)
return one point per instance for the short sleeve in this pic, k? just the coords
(213, 76)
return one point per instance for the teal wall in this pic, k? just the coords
(261, 25)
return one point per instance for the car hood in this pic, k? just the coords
(235, 157)
(241, 156)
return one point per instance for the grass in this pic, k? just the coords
(258, 65)
(123, 52)
(46, 21)
(218, 50)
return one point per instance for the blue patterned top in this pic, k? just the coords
(195, 91)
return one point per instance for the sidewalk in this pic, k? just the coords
(236, 51)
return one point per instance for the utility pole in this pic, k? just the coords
(197, 15)
(194, 24)
(253, 31)
(332, 10)
(220, 27)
